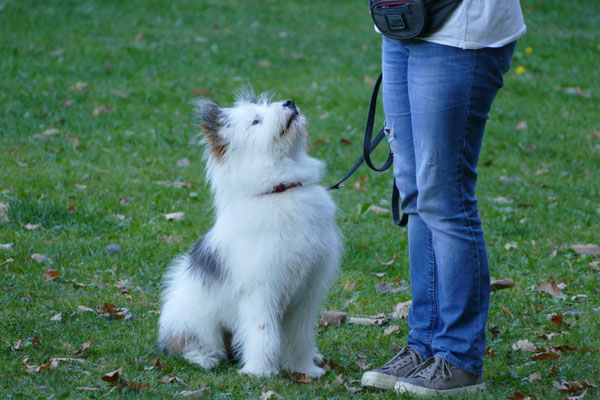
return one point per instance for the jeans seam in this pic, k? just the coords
(464, 208)
(432, 291)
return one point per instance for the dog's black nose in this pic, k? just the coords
(289, 103)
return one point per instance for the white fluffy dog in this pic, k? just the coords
(252, 285)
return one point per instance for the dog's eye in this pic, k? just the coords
(256, 121)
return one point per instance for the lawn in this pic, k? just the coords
(95, 119)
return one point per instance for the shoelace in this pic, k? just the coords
(399, 360)
(429, 371)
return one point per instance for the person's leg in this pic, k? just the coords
(399, 132)
(451, 91)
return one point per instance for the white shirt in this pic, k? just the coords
(482, 23)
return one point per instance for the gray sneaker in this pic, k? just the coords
(394, 370)
(437, 376)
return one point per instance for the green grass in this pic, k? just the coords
(319, 55)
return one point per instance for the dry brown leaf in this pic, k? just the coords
(176, 216)
(31, 227)
(385, 262)
(550, 288)
(182, 163)
(349, 286)
(524, 345)
(593, 266)
(120, 93)
(113, 377)
(332, 318)
(378, 210)
(156, 364)
(401, 310)
(175, 184)
(329, 365)
(57, 317)
(172, 239)
(195, 393)
(6, 246)
(379, 320)
(501, 283)
(100, 108)
(380, 274)
(84, 347)
(85, 309)
(139, 36)
(587, 249)
(536, 376)
(521, 396)
(391, 329)
(558, 320)
(8, 261)
(109, 310)
(49, 274)
(270, 395)
(86, 389)
(506, 310)
(546, 354)
(50, 364)
(170, 378)
(362, 366)
(78, 87)
(383, 288)
(521, 125)
(121, 283)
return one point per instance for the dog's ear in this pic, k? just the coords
(246, 94)
(211, 120)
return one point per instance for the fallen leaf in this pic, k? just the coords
(172, 239)
(558, 320)
(40, 258)
(506, 310)
(120, 217)
(84, 347)
(49, 274)
(194, 393)
(113, 377)
(587, 249)
(100, 108)
(87, 389)
(521, 396)
(120, 93)
(511, 245)
(368, 80)
(524, 345)
(380, 274)
(6, 246)
(401, 310)
(501, 283)
(383, 288)
(349, 286)
(378, 210)
(536, 376)
(175, 184)
(50, 132)
(78, 87)
(177, 216)
(171, 379)
(546, 354)
(362, 366)
(521, 125)
(270, 395)
(329, 365)
(57, 317)
(124, 200)
(31, 227)
(184, 162)
(8, 261)
(489, 352)
(332, 318)
(156, 364)
(385, 262)
(85, 309)
(139, 36)
(391, 329)
(265, 63)
(550, 288)
(379, 319)
(109, 310)
(50, 364)
(593, 266)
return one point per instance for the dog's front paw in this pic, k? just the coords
(311, 371)
(258, 371)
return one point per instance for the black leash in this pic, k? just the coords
(368, 147)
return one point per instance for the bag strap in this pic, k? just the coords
(368, 147)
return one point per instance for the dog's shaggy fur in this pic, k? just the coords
(254, 282)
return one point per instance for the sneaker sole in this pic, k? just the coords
(379, 380)
(403, 387)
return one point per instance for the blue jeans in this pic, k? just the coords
(436, 100)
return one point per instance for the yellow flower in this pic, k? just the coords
(529, 50)
(520, 69)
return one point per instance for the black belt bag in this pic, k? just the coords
(407, 19)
